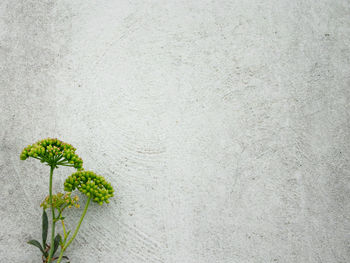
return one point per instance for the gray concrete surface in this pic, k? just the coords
(223, 125)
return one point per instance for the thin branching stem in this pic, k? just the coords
(76, 230)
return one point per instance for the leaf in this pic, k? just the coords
(45, 226)
(36, 244)
(56, 243)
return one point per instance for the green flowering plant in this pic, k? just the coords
(92, 185)
(55, 153)
(60, 201)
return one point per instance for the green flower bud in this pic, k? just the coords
(90, 184)
(60, 201)
(53, 152)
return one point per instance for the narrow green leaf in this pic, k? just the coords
(45, 227)
(56, 243)
(36, 244)
(61, 242)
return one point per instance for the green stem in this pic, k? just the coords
(75, 232)
(64, 230)
(53, 217)
(62, 161)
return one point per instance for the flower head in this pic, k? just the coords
(60, 201)
(53, 152)
(90, 184)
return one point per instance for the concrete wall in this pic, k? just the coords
(223, 125)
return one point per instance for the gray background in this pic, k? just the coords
(223, 125)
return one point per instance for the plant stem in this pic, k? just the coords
(53, 217)
(75, 232)
(64, 229)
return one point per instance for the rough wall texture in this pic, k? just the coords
(223, 125)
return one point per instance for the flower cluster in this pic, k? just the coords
(61, 201)
(54, 152)
(90, 184)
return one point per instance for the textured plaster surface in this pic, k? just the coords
(223, 125)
